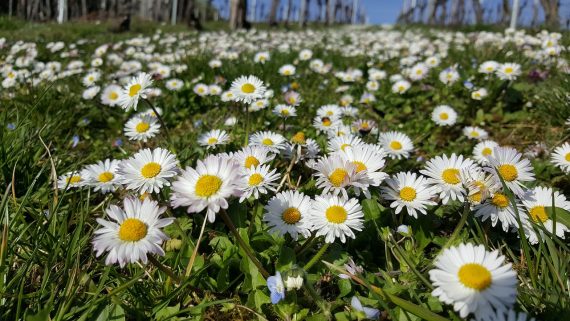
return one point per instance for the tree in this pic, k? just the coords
(478, 10)
(238, 12)
(273, 12)
(551, 8)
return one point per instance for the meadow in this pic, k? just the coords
(347, 173)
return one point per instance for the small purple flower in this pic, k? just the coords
(11, 126)
(352, 268)
(276, 287)
(467, 84)
(371, 313)
(118, 142)
(74, 141)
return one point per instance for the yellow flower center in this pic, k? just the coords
(251, 161)
(408, 194)
(508, 172)
(201, 90)
(500, 200)
(212, 140)
(443, 116)
(475, 276)
(401, 88)
(248, 88)
(508, 70)
(489, 68)
(134, 89)
(330, 113)
(326, 121)
(287, 72)
(73, 179)
(106, 177)
(336, 214)
(267, 142)
(365, 125)
(359, 166)
(395, 145)
(113, 95)
(419, 72)
(538, 214)
(451, 176)
(474, 134)
(299, 138)
(142, 127)
(255, 179)
(208, 185)
(291, 215)
(338, 176)
(567, 157)
(285, 112)
(150, 170)
(487, 151)
(344, 146)
(132, 230)
(476, 198)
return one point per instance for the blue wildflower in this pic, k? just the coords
(118, 142)
(371, 313)
(276, 287)
(74, 141)
(11, 126)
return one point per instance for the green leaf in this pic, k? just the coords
(166, 312)
(345, 287)
(370, 209)
(341, 316)
(112, 312)
(562, 215)
(42, 315)
(286, 258)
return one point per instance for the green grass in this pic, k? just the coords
(48, 270)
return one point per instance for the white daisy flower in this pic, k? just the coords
(336, 174)
(512, 168)
(202, 90)
(372, 85)
(449, 76)
(326, 124)
(287, 70)
(480, 185)
(368, 160)
(475, 133)
(401, 86)
(535, 203)
(148, 171)
(214, 90)
(103, 176)
(110, 95)
(213, 138)
(397, 145)
(208, 186)
(305, 54)
(364, 126)
(409, 190)
(262, 57)
(336, 218)
(483, 150)
(248, 89)
(142, 127)
(174, 84)
(285, 111)
(275, 142)
(131, 233)
(498, 208)
(561, 157)
(90, 92)
(257, 180)
(474, 280)
(340, 143)
(289, 213)
(91, 78)
(258, 105)
(509, 315)
(74, 179)
(253, 156)
(443, 174)
(137, 88)
(444, 115)
(508, 71)
(479, 94)
(330, 111)
(418, 71)
(488, 67)
(227, 96)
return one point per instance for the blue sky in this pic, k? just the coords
(382, 11)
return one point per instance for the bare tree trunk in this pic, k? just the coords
(288, 11)
(432, 10)
(238, 11)
(273, 13)
(443, 15)
(478, 10)
(190, 15)
(551, 8)
(506, 12)
(329, 11)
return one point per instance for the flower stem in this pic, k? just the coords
(193, 257)
(164, 269)
(159, 119)
(459, 226)
(242, 244)
(317, 257)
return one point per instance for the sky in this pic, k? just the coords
(382, 11)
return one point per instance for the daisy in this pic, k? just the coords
(535, 203)
(335, 217)
(174, 84)
(488, 67)
(408, 190)
(475, 133)
(474, 280)
(511, 167)
(110, 95)
(148, 171)
(397, 145)
(72, 180)
(444, 115)
(449, 76)
(275, 142)
(364, 126)
(248, 89)
(292, 98)
(132, 232)
(227, 96)
(202, 90)
(400, 87)
(305, 54)
(258, 105)
(508, 71)
(336, 174)
(91, 92)
(372, 85)
(325, 124)
(561, 157)
(287, 70)
(142, 127)
(285, 111)
(262, 57)
(257, 180)
(483, 150)
(213, 138)
(443, 174)
(90, 79)
(479, 94)
(366, 159)
(253, 156)
(103, 176)
(289, 213)
(137, 88)
(480, 185)
(208, 186)
(510, 315)
(340, 143)
(418, 72)
(498, 208)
